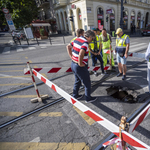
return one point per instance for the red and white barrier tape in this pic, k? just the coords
(95, 116)
(144, 113)
(61, 69)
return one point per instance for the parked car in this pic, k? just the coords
(146, 31)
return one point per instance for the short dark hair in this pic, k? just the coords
(89, 33)
(103, 29)
(97, 29)
(79, 31)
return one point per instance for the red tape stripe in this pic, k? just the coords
(53, 87)
(130, 141)
(54, 70)
(69, 70)
(34, 73)
(141, 119)
(43, 79)
(93, 116)
(73, 101)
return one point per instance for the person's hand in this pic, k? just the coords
(95, 53)
(82, 65)
(98, 53)
(126, 55)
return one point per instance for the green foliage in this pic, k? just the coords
(42, 31)
(22, 11)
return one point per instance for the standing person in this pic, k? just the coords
(13, 35)
(80, 32)
(79, 65)
(98, 32)
(94, 48)
(105, 45)
(122, 48)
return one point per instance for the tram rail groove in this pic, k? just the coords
(61, 99)
(30, 86)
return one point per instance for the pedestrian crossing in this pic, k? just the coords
(134, 46)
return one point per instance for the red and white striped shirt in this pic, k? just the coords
(78, 44)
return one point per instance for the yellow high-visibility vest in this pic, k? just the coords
(92, 44)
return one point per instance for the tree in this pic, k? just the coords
(22, 11)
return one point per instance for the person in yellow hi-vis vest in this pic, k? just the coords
(122, 48)
(105, 45)
(80, 32)
(94, 49)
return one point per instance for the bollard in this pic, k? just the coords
(37, 40)
(39, 98)
(64, 39)
(27, 40)
(19, 41)
(50, 39)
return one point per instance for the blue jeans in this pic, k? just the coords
(99, 57)
(81, 75)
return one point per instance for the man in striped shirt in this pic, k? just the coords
(78, 52)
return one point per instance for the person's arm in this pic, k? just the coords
(69, 50)
(100, 46)
(110, 41)
(89, 48)
(127, 47)
(80, 59)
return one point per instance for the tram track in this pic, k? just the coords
(57, 100)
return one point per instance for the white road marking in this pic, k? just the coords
(30, 48)
(37, 139)
(6, 50)
(19, 49)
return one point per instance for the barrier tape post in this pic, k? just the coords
(133, 141)
(39, 98)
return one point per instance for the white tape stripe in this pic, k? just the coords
(134, 122)
(106, 123)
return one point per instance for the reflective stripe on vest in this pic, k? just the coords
(106, 45)
(92, 44)
(73, 39)
(120, 43)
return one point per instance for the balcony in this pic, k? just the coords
(41, 3)
(59, 3)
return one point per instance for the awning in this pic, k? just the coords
(40, 24)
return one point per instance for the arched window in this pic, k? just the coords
(132, 18)
(112, 21)
(100, 18)
(138, 20)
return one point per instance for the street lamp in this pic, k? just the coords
(121, 19)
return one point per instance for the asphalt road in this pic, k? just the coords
(61, 126)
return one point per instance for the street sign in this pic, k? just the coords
(10, 22)
(5, 10)
(8, 16)
(28, 33)
(108, 11)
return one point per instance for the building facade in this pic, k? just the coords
(100, 13)
(46, 13)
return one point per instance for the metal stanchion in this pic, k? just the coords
(27, 41)
(19, 41)
(37, 40)
(64, 38)
(50, 39)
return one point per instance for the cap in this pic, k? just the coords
(94, 29)
(118, 30)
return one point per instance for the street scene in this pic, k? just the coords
(80, 83)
